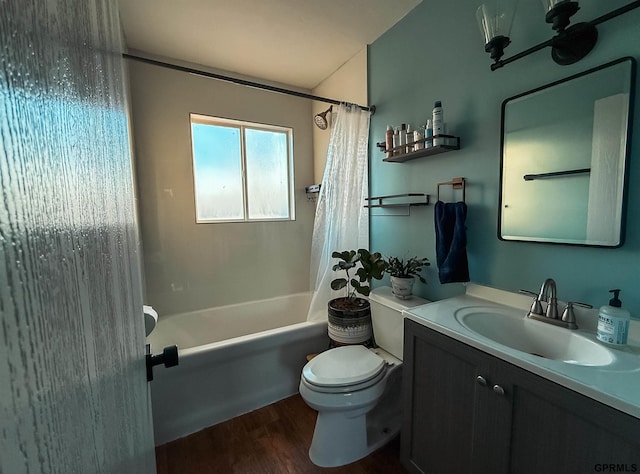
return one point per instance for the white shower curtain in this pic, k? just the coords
(342, 222)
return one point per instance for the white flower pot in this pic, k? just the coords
(402, 287)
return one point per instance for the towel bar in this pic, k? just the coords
(456, 183)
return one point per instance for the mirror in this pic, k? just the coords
(564, 159)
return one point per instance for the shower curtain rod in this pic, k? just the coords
(241, 82)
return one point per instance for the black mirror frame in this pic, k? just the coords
(632, 105)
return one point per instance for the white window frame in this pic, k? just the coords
(242, 125)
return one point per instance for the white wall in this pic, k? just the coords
(349, 84)
(190, 266)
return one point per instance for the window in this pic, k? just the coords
(242, 171)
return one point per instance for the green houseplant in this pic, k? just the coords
(350, 315)
(403, 274)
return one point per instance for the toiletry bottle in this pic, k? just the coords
(438, 123)
(417, 140)
(409, 147)
(389, 141)
(428, 133)
(396, 141)
(613, 322)
(403, 138)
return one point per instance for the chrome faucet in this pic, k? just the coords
(548, 294)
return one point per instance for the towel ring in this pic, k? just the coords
(455, 183)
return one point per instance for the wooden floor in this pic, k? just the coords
(271, 440)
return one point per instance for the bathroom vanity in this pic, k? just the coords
(476, 405)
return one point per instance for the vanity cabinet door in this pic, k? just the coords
(510, 421)
(555, 429)
(453, 421)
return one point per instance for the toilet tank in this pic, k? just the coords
(387, 318)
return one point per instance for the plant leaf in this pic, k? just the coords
(362, 274)
(338, 283)
(346, 265)
(357, 287)
(364, 253)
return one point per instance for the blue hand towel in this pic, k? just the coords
(451, 242)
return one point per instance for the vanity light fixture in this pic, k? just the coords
(495, 20)
(569, 45)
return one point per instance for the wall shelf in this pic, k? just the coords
(450, 143)
(412, 200)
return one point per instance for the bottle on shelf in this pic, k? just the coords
(389, 141)
(409, 139)
(438, 123)
(403, 138)
(396, 141)
(428, 133)
(417, 139)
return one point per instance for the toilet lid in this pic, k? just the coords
(345, 365)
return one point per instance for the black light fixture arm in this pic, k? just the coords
(617, 12)
(503, 62)
(584, 34)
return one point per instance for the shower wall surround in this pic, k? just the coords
(191, 266)
(454, 68)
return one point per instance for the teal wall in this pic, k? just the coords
(436, 53)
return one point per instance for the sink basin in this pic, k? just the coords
(512, 329)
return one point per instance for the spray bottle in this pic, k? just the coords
(438, 123)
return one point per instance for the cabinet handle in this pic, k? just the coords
(481, 380)
(498, 389)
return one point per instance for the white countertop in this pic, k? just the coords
(616, 384)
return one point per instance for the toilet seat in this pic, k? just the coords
(345, 388)
(352, 367)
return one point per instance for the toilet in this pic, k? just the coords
(356, 390)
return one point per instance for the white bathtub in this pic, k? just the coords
(233, 359)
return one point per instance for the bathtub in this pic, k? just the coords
(233, 359)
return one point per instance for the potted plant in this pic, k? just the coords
(403, 274)
(350, 315)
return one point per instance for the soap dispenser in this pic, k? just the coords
(613, 321)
